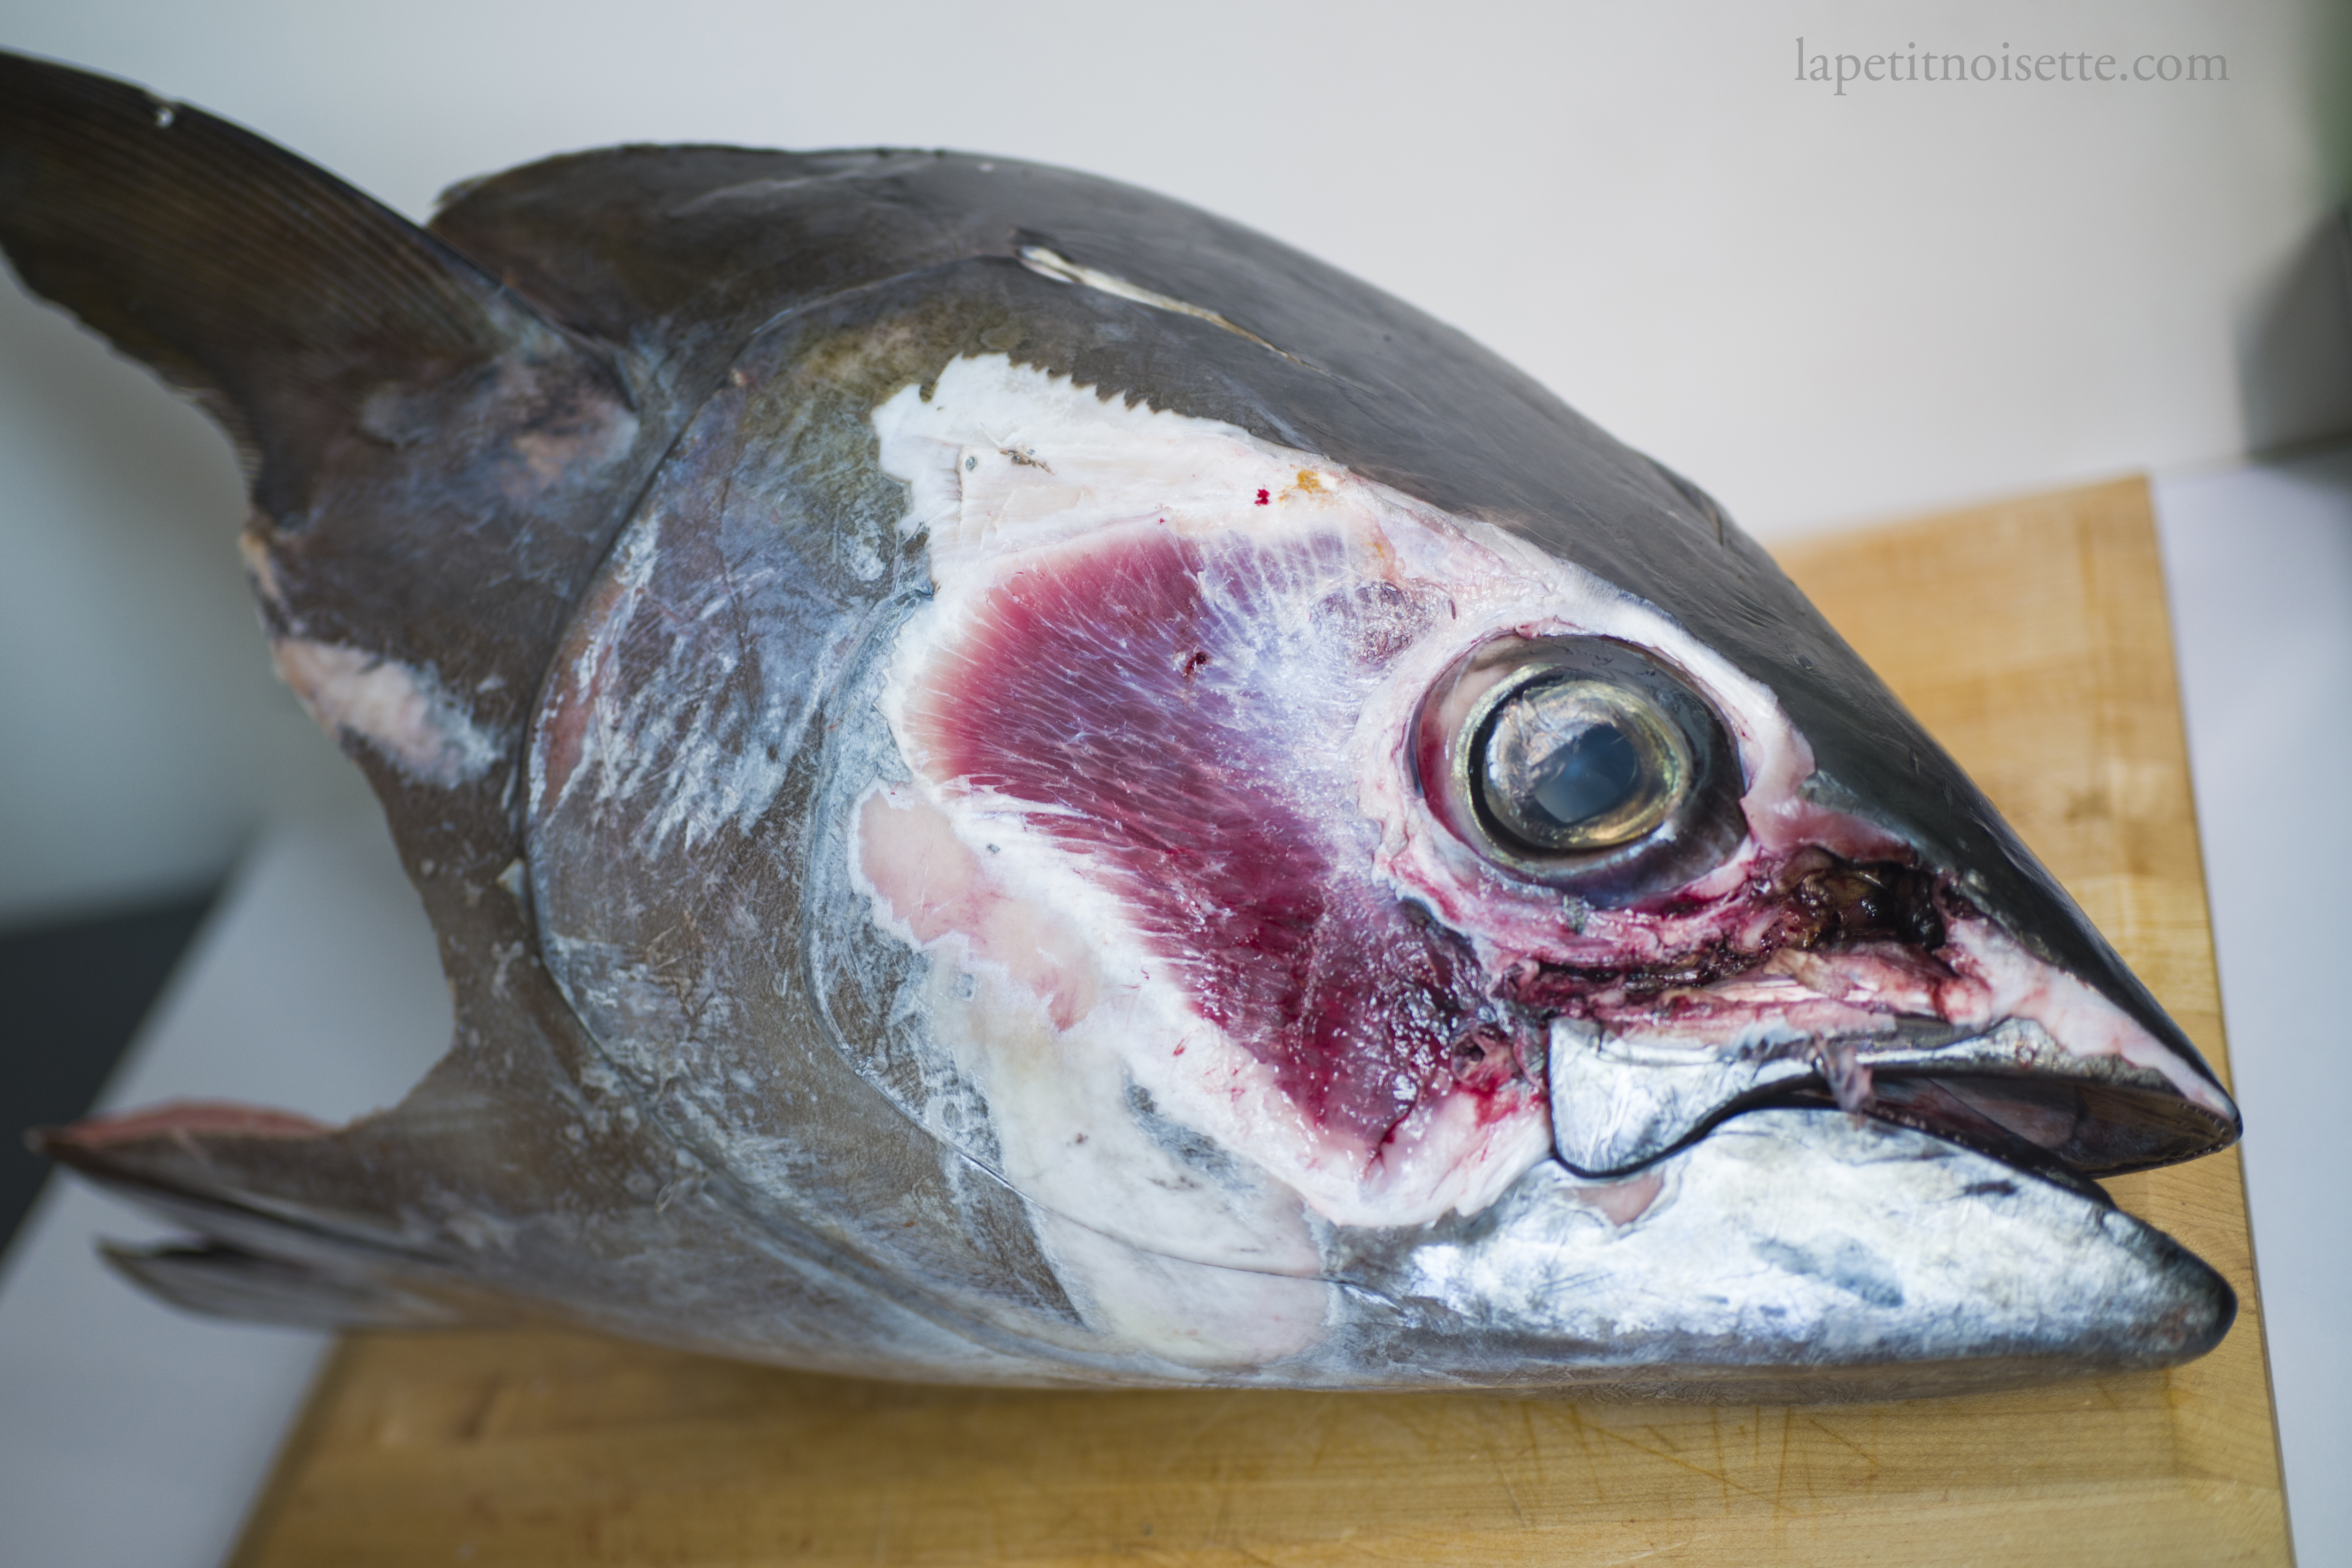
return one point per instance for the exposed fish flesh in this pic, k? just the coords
(1019, 784)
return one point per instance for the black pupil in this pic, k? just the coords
(1592, 775)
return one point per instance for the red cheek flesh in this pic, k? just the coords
(1139, 704)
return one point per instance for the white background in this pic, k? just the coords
(1824, 309)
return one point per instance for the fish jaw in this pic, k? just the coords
(1974, 1037)
(1797, 1254)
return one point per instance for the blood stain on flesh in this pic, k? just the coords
(1088, 693)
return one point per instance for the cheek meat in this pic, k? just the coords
(1123, 705)
(1166, 718)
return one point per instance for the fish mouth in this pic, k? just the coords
(1621, 1101)
(1912, 1212)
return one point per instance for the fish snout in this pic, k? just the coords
(1951, 1025)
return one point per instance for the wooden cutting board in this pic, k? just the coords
(2032, 638)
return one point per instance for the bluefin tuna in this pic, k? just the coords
(1022, 785)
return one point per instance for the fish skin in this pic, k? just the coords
(611, 426)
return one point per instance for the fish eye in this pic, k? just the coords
(1584, 764)
(1569, 764)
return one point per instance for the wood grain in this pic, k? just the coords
(2032, 638)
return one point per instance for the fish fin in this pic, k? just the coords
(436, 468)
(471, 1205)
(255, 1244)
(278, 296)
(229, 1282)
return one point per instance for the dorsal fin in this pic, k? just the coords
(435, 466)
(264, 286)
(437, 472)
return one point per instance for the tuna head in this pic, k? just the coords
(1105, 802)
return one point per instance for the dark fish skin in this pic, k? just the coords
(448, 432)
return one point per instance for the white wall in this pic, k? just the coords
(1823, 308)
